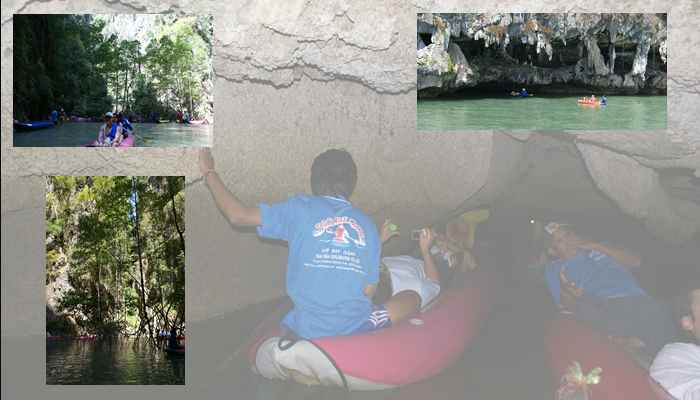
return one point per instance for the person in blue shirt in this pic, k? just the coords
(111, 133)
(334, 248)
(524, 93)
(603, 101)
(127, 128)
(588, 280)
(54, 117)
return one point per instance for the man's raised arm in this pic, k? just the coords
(228, 204)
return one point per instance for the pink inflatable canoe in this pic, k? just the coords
(128, 142)
(568, 340)
(410, 351)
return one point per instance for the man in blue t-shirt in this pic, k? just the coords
(334, 248)
(586, 279)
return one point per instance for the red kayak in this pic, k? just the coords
(569, 341)
(594, 103)
(410, 351)
(128, 142)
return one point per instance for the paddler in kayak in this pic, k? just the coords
(127, 128)
(522, 93)
(173, 343)
(334, 247)
(110, 133)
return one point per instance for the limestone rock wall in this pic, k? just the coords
(547, 35)
(297, 77)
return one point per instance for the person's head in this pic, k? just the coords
(689, 313)
(562, 239)
(333, 173)
(108, 117)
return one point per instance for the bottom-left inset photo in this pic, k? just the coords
(115, 280)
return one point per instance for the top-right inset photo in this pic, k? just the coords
(545, 72)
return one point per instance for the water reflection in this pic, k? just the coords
(111, 362)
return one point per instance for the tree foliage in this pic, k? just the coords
(70, 61)
(118, 244)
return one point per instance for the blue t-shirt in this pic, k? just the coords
(334, 252)
(113, 131)
(597, 274)
(126, 124)
(54, 116)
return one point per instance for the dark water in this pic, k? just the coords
(111, 362)
(541, 113)
(76, 134)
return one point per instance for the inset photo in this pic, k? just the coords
(545, 72)
(112, 80)
(115, 280)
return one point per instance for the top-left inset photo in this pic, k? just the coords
(112, 80)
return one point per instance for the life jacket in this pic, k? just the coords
(113, 132)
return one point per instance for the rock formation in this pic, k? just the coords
(622, 53)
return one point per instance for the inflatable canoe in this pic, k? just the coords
(569, 341)
(128, 142)
(410, 351)
(594, 103)
(32, 125)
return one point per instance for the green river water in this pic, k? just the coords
(77, 134)
(541, 113)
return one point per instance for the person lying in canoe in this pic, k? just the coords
(587, 279)
(406, 283)
(677, 366)
(334, 247)
(111, 133)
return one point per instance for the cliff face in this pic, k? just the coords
(565, 53)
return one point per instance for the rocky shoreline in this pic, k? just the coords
(553, 53)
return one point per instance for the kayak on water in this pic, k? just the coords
(198, 122)
(175, 350)
(127, 142)
(521, 95)
(32, 125)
